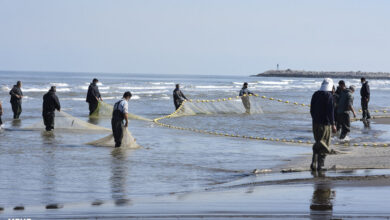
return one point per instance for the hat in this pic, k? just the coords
(327, 85)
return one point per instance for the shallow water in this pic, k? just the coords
(38, 168)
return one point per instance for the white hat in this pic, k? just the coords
(327, 85)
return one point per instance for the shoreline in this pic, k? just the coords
(323, 74)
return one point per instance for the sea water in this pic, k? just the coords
(41, 168)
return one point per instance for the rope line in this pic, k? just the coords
(269, 139)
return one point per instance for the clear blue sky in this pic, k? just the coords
(239, 37)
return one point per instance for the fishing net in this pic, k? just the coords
(236, 105)
(104, 110)
(64, 120)
(128, 141)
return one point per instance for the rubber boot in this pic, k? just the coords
(321, 161)
(314, 160)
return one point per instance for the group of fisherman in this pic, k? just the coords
(330, 110)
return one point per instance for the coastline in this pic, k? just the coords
(323, 74)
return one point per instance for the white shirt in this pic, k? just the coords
(123, 106)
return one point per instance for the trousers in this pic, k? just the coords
(16, 108)
(366, 113)
(344, 121)
(92, 107)
(48, 120)
(117, 130)
(321, 147)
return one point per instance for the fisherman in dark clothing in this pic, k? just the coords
(244, 94)
(344, 106)
(120, 113)
(365, 94)
(336, 97)
(178, 97)
(1, 113)
(16, 99)
(93, 96)
(322, 113)
(50, 104)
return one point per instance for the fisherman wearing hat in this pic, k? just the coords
(93, 96)
(344, 106)
(244, 94)
(322, 113)
(50, 104)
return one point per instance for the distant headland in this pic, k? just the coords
(322, 74)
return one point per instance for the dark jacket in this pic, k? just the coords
(50, 102)
(344, 102)
(93, 93)
(178, 95)
(322, 108)
(365, 90)
(245, 91)
(15, 91)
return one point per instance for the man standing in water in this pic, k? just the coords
(178, 97)
(16, 99)
(50, 104)
(93, 96)
(120, 113)
(344, 106)
(322, 113)
(365, 94)
(244, 93)
(1, 113)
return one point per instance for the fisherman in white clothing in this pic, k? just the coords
(120, 113)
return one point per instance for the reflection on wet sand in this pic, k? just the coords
(118, 179)
(321, 206)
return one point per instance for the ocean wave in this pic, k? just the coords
(214, 87)
(74, 99)
(44, 89)
(82, 87)
(274, 82)
(143, 87)
(151, 92)
(5, 88)
(59, 84)
(241, 83)
(162, 83)
(35, 89)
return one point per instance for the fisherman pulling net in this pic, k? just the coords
(220, 106)
(128, 141)
(120, 137)
(65, 121)
(105, 110)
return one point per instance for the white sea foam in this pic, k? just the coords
(59, 84)
(143, 87)
(162, 83)
(214, 87)
(35, 89)
(151, 92)
(5, 88)
(273, 82)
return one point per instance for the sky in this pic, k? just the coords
(239, 37)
